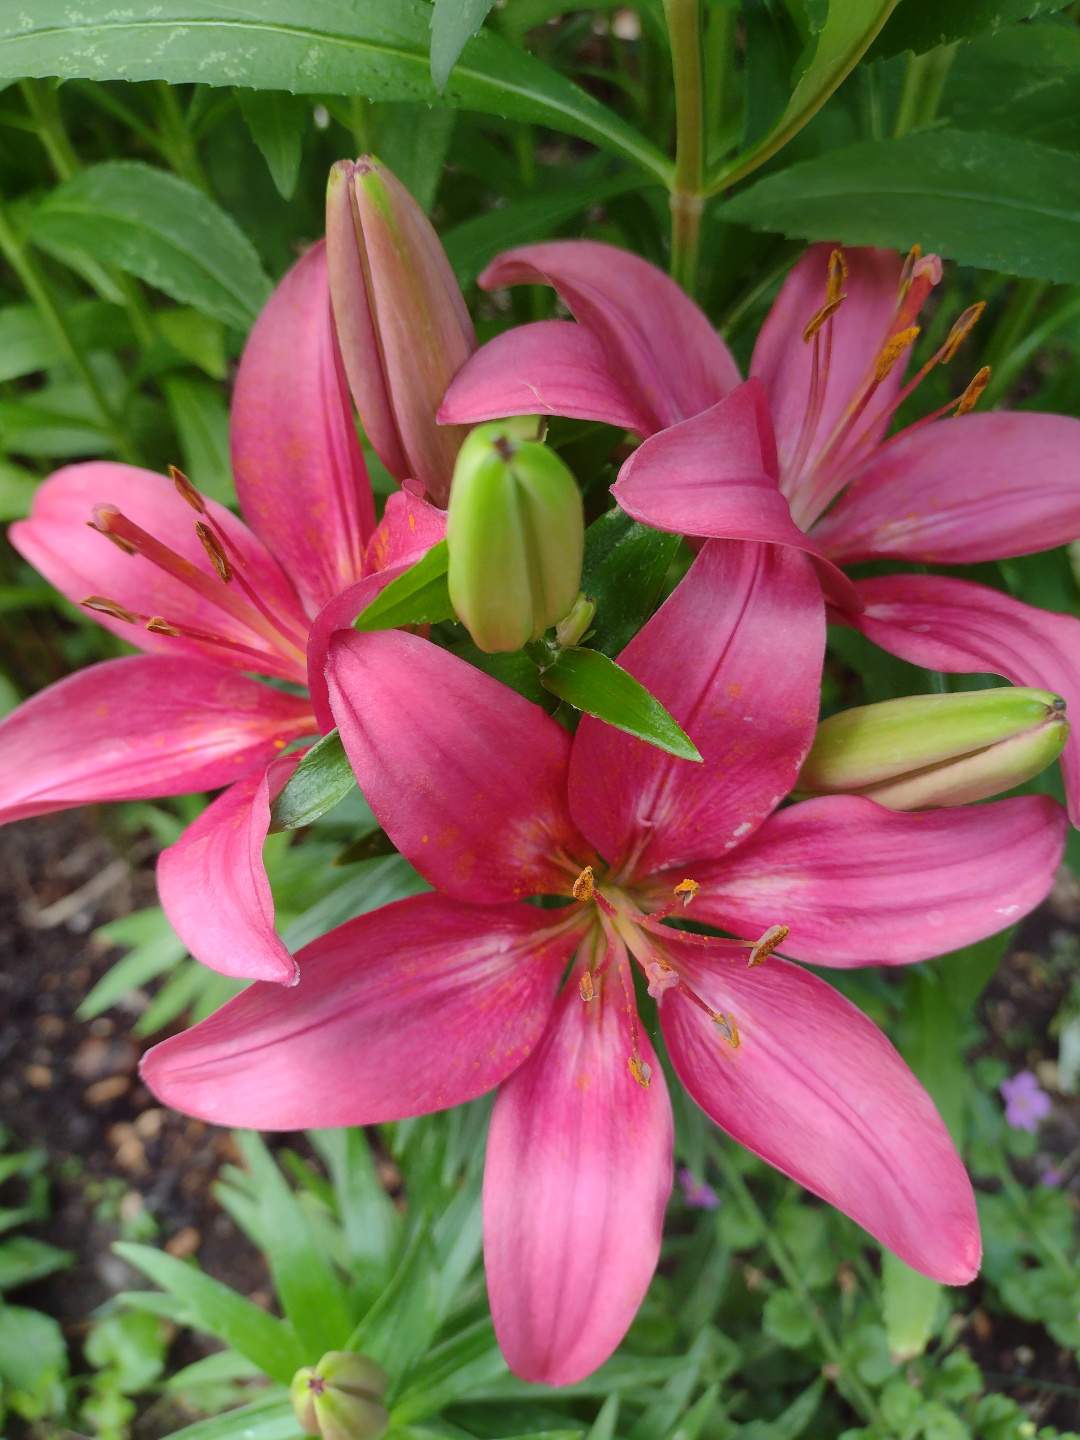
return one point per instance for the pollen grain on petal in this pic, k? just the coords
(891, 351)
(774, 936)
(640, 1070)
(583, 886)
(970, 397)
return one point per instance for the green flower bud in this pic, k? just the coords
(931, 750)
(338, 1399)
(515, 535)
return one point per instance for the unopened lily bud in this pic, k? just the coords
(338, 1399)
(931, 750)
(515, 533)
(401, 320)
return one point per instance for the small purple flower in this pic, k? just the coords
(1026, 1102)
(1050, 1177)
(698, 1197)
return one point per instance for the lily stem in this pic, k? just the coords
(687, 194)
(849, 1385)
(924, 81)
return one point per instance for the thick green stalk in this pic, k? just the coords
(175, 139)
(687, 194)
(36, 286)
(44, 105)
(924, 81)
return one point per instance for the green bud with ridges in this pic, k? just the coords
(515, 534)
(936, 750)
(338, 1399)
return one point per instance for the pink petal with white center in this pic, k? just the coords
(137, 728)
(213, 887)
(409, 528)
(783, 360)
(577, 1177)
(657, 343)
(815, 1089)
(552, 367)
(420, 1005)
(858, 884)
(960, 627)
(467, 777)
(977, 487)
(80, 562)
(715, 476)
(735, 655)
(339, 614)
(299, 469)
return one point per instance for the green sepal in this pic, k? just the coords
(592, 682)
(322, 780)
(419, 597)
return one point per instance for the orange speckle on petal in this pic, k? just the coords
(734, 690)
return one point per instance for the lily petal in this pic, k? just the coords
(140, 727)
(784, 362)
(858, 884)
(409, 528)
(213, 887)
(467, 777)
(715, 476)
(80, 562)
(552, 367)
(657, 343)
(735, 655)
(416, 1006)
(977, 487)
(961, 627)
(577, 1177)
(299, 469)
(815, 1089)
(339, 615)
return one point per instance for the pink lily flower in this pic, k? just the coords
(798, 455)
(212, 600)
(434, 1000)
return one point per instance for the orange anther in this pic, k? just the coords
(687, 889)
(961, 330)
(641, 1072)
(215, 550)
(837, 276)
(109, 607)
(586, 988)
(970, 397)
(906, 274)
(817, 321)
(891, 351)
(728, 1029)
(187, 490)
(583, 885)
(774, 936)
(157, 626)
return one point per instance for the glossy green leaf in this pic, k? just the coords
(921, 25)
(985, 200)
(473, 244)
(412, 141)
(1022, 82)
(23, 1259)
(515, 668)
(310, 1292)
(277, 120)
(453, 24)
(593, 683)
(322, 780)
(221, 1311)
(162, 229)
(367, 47)
(623, 569)
(419, 597)
(850, 28)
(269, 1418)
(399, 1326)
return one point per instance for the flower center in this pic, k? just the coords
(813, 480)
(627, 931)
(231, 589)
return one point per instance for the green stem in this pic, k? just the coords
(849, 1385)
(1014, 324)
(924, 81)
(722, 107)
(687, 194)
(36, 286)
(1022, 351)
(175, 139)
(44, 105)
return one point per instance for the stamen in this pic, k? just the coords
(908, 271)
(111, 607)
(891, 351)
(640, 1070)
(120, 544)
(157, 626)
(728, 1029)
(970, 397)
(684, 892)
(187, 490)
(583, 886)
(774, 936)
(687, 889)
(961, 330)
(837, 275)
(586, 988)
(816, 321)
(214, 550)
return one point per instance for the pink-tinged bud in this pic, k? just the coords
(338, 1399)
(401, 320)
(936, 750)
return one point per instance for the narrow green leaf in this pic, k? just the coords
(594, 683)
(162, 229)
(985, 200)
(201, 420)
(311, 1294)
(471, 245)
(150, 958)
(23, 1259)
(419, 597)
(367, 47)
(270, 1418)
(453, 24)
(623, 570)
(400, 1324)
(377, 882)
(921, 25)
(277, 121)
(849, 30)
(221, 1311)
(412, 142)
(618, 1375)
(449, 1372)
(369, 1218)
(322, 780)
